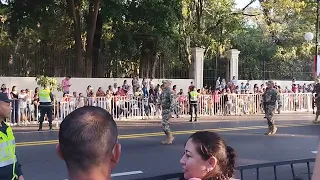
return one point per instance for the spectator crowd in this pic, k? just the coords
(141, 98)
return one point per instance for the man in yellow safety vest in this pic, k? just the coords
(10, 169)
(193, 102)
(46, 107)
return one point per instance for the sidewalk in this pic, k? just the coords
(185, 119)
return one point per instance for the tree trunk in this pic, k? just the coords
(93, 14)
(155, 65)
(74, 6)
(98, 65)
(142, 66)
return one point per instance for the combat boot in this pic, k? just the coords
(274, 129)
(170, 138)
(166, 139)
(269, 131)
(316, 122)
(40, 127)
(50, 125)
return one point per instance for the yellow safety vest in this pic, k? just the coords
(44, 95)
(8, 150)
(193, 96)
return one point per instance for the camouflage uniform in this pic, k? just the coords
(316, 90)
(166, 100)
(263, 102)
(176, 106)
(317, 102)
(269, 98)
(279, 105)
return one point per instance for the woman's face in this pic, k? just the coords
(192, 164)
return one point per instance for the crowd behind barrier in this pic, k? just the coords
(132, 107)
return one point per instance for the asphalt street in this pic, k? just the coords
(144, 156)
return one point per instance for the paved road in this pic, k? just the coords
(143, 152)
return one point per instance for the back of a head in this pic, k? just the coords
(211, 144)
(87, 137)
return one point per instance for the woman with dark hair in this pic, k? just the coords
(207, 157)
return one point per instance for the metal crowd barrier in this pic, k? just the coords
(131, 107)
(256, 167)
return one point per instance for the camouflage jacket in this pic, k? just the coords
(316, 88)
(271, 96)
(317, 101)
(166, 99)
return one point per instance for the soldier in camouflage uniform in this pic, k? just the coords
(270, 97)
(317, 102)
(264, 103)
(166, 99)
(316, 91)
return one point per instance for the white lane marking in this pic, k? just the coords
(124, 174)
(29, 132)
(314, 152)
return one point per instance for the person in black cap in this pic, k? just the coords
(9, 166)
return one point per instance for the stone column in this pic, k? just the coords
(197, 66)
(233, 57)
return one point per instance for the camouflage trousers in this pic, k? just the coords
(166, 113)
(269, 112)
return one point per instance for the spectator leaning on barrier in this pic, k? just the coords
(88, 143)
(10, 169)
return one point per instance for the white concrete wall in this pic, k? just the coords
(80, 84)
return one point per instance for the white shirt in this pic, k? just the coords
(22, 101)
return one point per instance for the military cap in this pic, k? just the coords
(166, 81)
(270, 82)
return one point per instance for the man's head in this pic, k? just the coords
(5, 108)
(88, 140)
(3, 88)
(270, 84)
(46, 86)
(166, 83)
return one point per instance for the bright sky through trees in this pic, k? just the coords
(243, 3)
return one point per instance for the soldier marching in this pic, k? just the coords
(316, 100)
(167, 104)
(270, 97)
(316, 91)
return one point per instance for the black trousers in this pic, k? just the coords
(46, 110)
(193, 106)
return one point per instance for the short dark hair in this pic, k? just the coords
(86, 136)
(210, 144)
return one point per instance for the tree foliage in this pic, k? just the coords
(153, 38)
